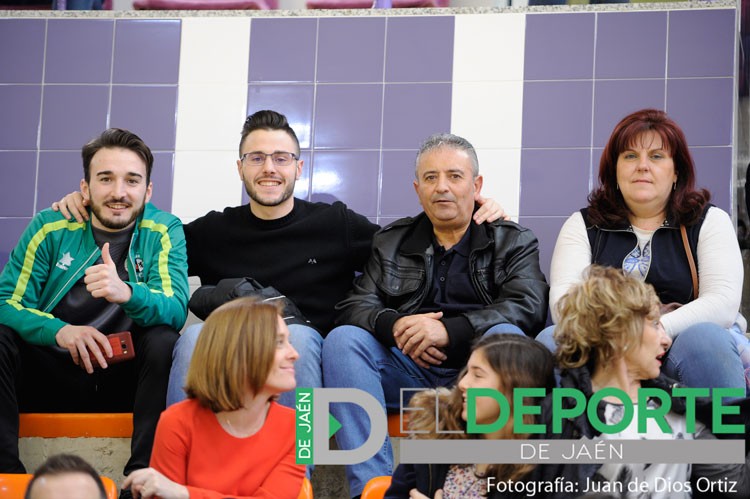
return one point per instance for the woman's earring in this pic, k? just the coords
(674, 186)
(617, 186)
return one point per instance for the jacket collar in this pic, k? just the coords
(421, 236)
(147, 208)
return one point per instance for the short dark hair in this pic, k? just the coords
(607, 207)
(267, 120)
(60, 464)
(117, 138)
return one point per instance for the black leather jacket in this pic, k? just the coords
(505, 273)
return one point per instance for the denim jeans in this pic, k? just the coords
(306, 340)
(704, 355)
(354, 358)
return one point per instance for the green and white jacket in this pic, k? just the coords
(53, 253)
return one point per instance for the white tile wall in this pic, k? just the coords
(488, 114)
(214, 50)
(501, 169)
(487, 100)
(489, 47)
(212, 105)
(205, 181)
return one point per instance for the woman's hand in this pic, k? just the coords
(148, 482)
(415, 494)
(73, 205)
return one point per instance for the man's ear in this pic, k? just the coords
(85, 190)
(149, 191)
(478, 182)
(300, 164)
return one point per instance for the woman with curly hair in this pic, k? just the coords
(610, 336)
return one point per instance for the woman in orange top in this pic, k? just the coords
(230, 438)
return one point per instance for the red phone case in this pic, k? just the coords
(122, 348)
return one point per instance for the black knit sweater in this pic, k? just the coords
(310, 255)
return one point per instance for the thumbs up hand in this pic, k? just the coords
(102, 280)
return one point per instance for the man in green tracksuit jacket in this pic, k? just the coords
(68, 284)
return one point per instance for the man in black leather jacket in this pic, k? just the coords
(432, 284)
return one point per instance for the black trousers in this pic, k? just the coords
(45, 379)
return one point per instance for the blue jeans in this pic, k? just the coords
(306, 340)
(354, 358)
(704, 355)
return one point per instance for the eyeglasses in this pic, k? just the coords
(257, 158)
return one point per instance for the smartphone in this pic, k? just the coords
(122, 348)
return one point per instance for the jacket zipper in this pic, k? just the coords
(64, 289)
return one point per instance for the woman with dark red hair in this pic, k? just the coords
(648, 218)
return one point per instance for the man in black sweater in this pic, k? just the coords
(308, 251)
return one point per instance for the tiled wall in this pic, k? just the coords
(536, 93)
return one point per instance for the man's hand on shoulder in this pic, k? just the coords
(82, 342)
(421, 336)
(489, 210)
(73, 205)
(102, 280)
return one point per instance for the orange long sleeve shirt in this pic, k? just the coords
(192, 449)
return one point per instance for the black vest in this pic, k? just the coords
(669, 272)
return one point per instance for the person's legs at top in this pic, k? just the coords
(307, 370)
(10, 362)
(152, 367)
(705, 356)
(546, 338)
(504, 329)
(181, 355)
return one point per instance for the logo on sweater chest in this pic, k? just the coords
(65, 262)
(312, 261)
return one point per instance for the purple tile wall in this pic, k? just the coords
(703, 108)
(559, 46)
(147, 51)
(614, 99)
(362, 93)
(20, 116)
(620, 54)
(348, 116)
(17, 197)
(147, 110)
(351, 50)
(73, 114)
(544, 171)
(557, 113)
(62, 82)
(419, 49)
(410, 114)
(701, 43)
(286, 57)
(79, 51)
(294, 100)
(62, 172)
(681, 61)
(22, 49)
